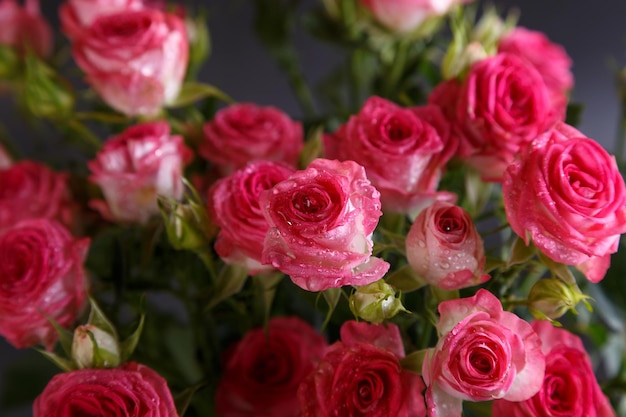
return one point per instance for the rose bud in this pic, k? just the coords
(550, 298)
(444, 248)
(565, 193)
(25, 28)
(321, 222)
(77, 15)
(135, 60)
(187, 224)
(569, 386)
(375, 302)
(136, 166)
(94, 348)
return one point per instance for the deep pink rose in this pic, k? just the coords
(77, 15)
(565, 193)
(130, 390)
(483, 353)
(445, 249)
(407, 15)
(446, 96)
(361, 375)
(403, 150)
(246, 132)
(25, 28)
(569, 387)
(234, 207)
(41, 275)
(321, 224)
(263, 370)
(31, 190)
(135, 60)
(136, 166)
(503, 105)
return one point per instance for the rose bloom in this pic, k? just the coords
(135, 60)
(130, 390)
(321, 222)
(403, 150)
(263, 370)
(407, 15)
(246, 132)
(483, 353)
(234, 207)
(445, 96)
(25, 28)
(361, 375)
(503, 105)
(566, 194)
(41, 276)
(136, 166)
(445, 249)
(77, 15)
(32, 190)
(569, 387)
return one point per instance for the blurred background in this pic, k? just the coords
(593, 35)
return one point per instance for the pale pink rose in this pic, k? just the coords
(403, 150)
(77, 15)
(31, 190)
(484, 353)
(135, 167)
(41, 277)
(445, 249)
(5, 158)
(263, 371)
(234, 207)
(25, 28)
(407, 15)
(129, 390)
(246, 132)
(361, 375)
(503, 105)
(570, 388)
(135, 60)
(321, 224)
(566, 195)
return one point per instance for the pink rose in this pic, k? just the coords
(565, 193)
(404, 151)
(245, 132)
(41, 276)
(446, 96)
(407, 15)
(130, 390)
(263, 370)
(569, 387)
(483, 353)
(503, 105)
(361, 375)
(136, 166)
(31, 190)
(321, 224)
(25, 28)
(77, 15)
(445, 249)
(234, 207)
(135, 60)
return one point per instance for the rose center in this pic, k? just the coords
(482, 362)
(397, 129)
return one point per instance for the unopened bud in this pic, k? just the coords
(94, 348)
(187, 224)
(375, 302)
(551, 298)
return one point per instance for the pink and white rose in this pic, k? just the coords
(321, 224)
(234, 207)
(246, 132)
(361, 375)
(135, 59)
(24, 28)
(262, 372)
(403, 150)
(566, 195)
(483, 353)
(77, 15)
(444, 247)
(569, 389)
(135, 167)
(41, 277)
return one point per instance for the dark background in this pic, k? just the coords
(593, 33)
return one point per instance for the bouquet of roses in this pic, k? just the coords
(433, 237)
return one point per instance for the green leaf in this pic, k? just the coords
(332, 296)
(183, 399)
(574, 113)
(313, 148)
(477, 192)
(413, 361)
(439, 295)
(127, 347)
(98, 319)
(266, 287)
(195, 91)
(66, 337)
(520, 253)
(405, 279)
(557, 269)
(493, 263)
(65, 365)
(229, 282)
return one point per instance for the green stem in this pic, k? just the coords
(394, 73)
(286, 58)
